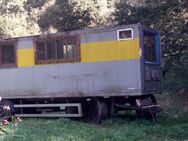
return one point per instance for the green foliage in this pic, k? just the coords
(120, 128)
(24, 17)
(170, 18)
(31, 4)
(76, 14)
(14, 19)
(64, 16)
(1, 33)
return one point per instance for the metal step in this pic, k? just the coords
(62, 107)
(48, 115)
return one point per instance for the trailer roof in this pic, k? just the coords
(83, 31)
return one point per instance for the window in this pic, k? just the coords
(7, 54)
(150, 47)
(57, 49)
(50, 49)
(125, 34)
(41, 50)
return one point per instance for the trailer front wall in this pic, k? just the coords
(108, 67)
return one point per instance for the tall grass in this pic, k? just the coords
(119, 128)
(170, 126)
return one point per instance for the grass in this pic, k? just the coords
(172, 125)
(119, 128)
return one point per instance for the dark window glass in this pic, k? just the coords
(50, 49)
(125, 34)
(41, 50)
(61, 48)
(71, 49)
(8, 56)
(149, 47)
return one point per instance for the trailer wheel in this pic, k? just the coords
(98, 110)
(6, 108)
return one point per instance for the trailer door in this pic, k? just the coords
(152, 62)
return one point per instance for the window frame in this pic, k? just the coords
(126, 29)
(56, 59)
(157, 51)
(8, 42)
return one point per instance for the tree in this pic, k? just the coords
(27, 17)
(76, 14)
(14, 19)
(29, 5)
(65, 16)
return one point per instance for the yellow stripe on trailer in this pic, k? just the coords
(25, 57)
(91, 52)
(110, 51)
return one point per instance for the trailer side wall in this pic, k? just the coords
(107, 67)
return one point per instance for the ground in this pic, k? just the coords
(122, 127)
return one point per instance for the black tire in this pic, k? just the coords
(98, 110)
(6, 112)
(104, 110)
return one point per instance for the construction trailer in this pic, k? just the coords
(82, 72)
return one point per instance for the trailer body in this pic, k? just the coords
(106, 66)
(82, 71)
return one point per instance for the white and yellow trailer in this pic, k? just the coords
(98, 67)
